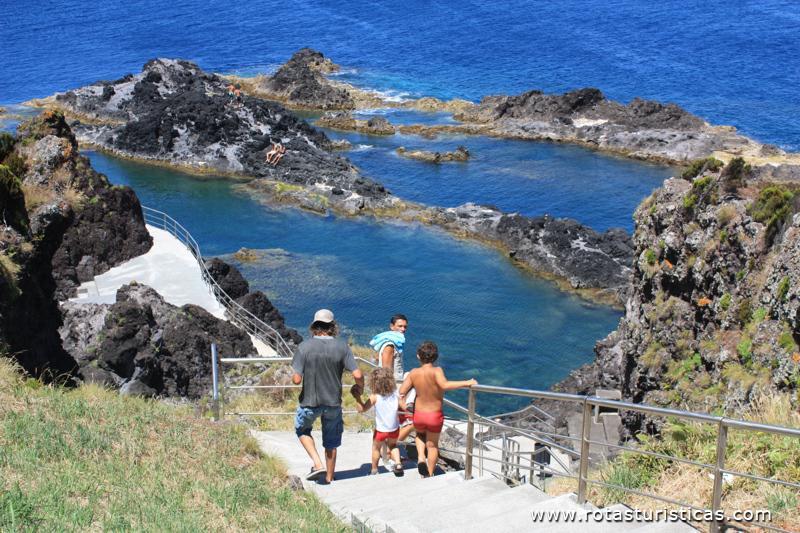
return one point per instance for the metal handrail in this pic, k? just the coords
(512, 460)
(590, 402)
(237, 314)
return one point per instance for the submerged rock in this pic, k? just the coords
(459, 154)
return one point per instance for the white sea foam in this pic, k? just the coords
(362, 148)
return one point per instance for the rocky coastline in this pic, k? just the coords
(641, 129)
(152, 116)
(63, 223)
(711, 319)
(173, 113)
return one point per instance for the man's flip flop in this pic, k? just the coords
(398, 469)
(315, 473)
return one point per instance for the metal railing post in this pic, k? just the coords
(583, 471)
(716, 501)
(215, 382)
(470, 434)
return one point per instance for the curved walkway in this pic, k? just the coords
(169, 268)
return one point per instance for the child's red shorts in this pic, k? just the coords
(428, 421)
(381, 436)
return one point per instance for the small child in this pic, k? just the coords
(430, 384)
(386, 401)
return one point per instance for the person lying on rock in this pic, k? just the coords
(275, 154)
(430, 384)
(318, 365)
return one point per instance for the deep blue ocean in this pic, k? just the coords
(732, 63)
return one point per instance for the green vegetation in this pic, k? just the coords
(725, 301)
(698, 166)
(702, 189)
(772, 207)
(90, 459)
(745, 350)
(7, 142)
(12, 200)
(786, 341)
(744, 311)
(650, 256)
(734, 174)
(783, 288)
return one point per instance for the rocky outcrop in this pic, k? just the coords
(459, 154)
(597, 264)
(344, 121)
(642, 129)
(257, 303)
(74, 225)
(228, 278)
(174, 113)
(301, 83)
(711, 320)
(233, 283)
(145, 346)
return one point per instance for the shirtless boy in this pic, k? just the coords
(430, 383)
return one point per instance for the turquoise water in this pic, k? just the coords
(490, 320)
(527, 177)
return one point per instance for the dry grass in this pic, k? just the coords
(89, 459)
(756, 453)
(285, 400)
(37, 195)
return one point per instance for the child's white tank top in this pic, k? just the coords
(386, 412)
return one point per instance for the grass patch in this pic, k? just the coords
(89, 459)
(757, 453)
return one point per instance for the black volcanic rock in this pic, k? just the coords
(77, 226)
(584, 257)
(300, 83)
(174, 112)
(228, 278)
(642, 128)
(146, 346)
(257, 303)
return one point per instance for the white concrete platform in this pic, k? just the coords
(169, 268)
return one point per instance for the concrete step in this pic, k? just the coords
(481, 510)
(361, 491)
(460, 497)
(520, 517)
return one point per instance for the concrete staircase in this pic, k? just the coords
(446, 502)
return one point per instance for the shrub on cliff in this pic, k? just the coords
(7, 142)
(698, 166)
(12, 201)
(773, 205)
(734, 174)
